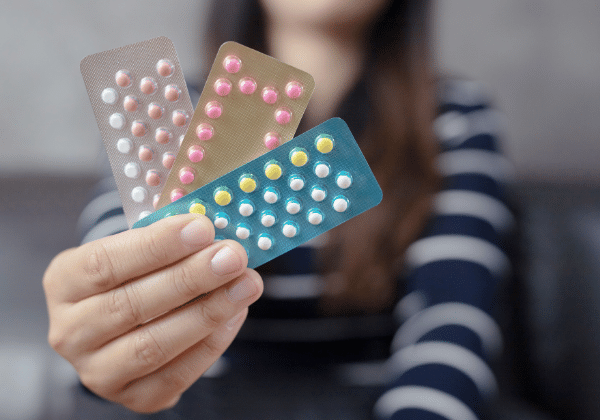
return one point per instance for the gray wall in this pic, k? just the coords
(540, 59)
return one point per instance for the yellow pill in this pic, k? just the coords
(299, 158)
(198, 208)
(273, 171)
(247, 185)
(222, 197)
(325, 145)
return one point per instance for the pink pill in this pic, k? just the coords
(293, 90)
(168, 159)
(162, 135)
(130, 103)
(152, 178)
(165, 68)
(155, 201)
(123, 78)
(176, 194)
(138, 128)
(269, 95)
(204, 131)
(187, 175)
(247, 85)
(195, 153)
(232, 64)
(145, 153)
(180, 118)
(272, 140)
(155, 111)
(283, 115)
(222, 87)
(213, 109)
(148, 85)
(172, 93)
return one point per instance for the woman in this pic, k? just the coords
(130, 313)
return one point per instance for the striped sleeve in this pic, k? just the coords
(438, 368)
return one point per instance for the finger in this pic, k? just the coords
(149, 347)
(101, 265)
(108, 315)
(163, 387)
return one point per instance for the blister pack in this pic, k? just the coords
(143, 109)
(288, 196)
(250, 104)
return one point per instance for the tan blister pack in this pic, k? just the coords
(251, 103)
(143, 109)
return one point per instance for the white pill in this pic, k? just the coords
(315, 218)
(110, 96)
(292, 207)
(124, 145)
(271, 197)
(340, 205)
(246, 209)
(117, 121)
(267, 220)
(318, 194)
(139, 194)
(132, 170)
(143, 214)
(322, 170)
(265, 243)
(221, 222)
(289, 230)
(242, 232)
(344, 181)
(296, 184)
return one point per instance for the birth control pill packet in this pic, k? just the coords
(143, 109)
(288, 196)
(250, 104)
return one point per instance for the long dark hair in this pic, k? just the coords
(363, 260)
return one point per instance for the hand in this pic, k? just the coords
(141, 315)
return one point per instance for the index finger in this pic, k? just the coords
(109, 262)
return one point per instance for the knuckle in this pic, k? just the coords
(57, 340)
(184, 280)
(153, 249)
(179, 378)
(120, 304)
(147, 352)
(211, 317)
(98, 267)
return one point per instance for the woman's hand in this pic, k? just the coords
(143, 314)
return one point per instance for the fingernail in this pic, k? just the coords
(194, 235)
(242, 290)
(225, 261)
(234, 321)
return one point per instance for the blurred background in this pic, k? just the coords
(540, 59)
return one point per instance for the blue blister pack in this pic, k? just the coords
(287, 196)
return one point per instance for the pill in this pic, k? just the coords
(187, 175)
(168, 159)
(181, 139)
(232, 64)
(265, 242)
(138, 128)
(298, 156)
(162, 135)
(197, 208)
(268, 218)
(314, 217)
(222, 196)
(109, 96)
(221, 220)
(247, 85)
(164, 67)
(296, 182)
(143, 214)
(324, 143)
(124, 145)
(152, 178)
(271, 195)
(273, 170)
(148, 85)
(155, 201)
(116, 121)
(293, 206)
(132, 170)
(131, 103)
(195, 153)
(145, 153)
(318, 193)
(269, 95)
(243, 231)
(204, 131)
(272, 140)
(213, 109)
(248, 183)
(222, 86)
(246, 207)
(340, 204)
(343, 180)
(155, 111)
(176, 194)
(289, 229)
(283, 115)
(293, 90)
(123, 78)
(322, 169)
(179, 118)
(172, 93)
(139, 194)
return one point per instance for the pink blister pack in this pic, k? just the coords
(251, 103)
(143, 109)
